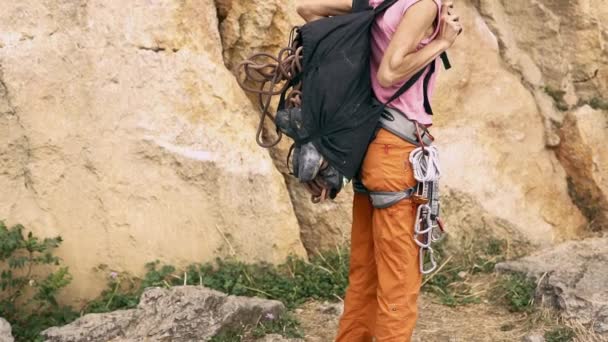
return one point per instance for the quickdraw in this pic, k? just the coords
(428, 227)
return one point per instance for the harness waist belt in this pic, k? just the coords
(397, 123)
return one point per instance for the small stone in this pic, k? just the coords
(462, 274)
(332, 308)
(5, 331)
(534, 337)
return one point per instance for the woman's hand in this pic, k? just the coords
(450, 24)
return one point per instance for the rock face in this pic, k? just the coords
(492, 143)
(248, 27)
(185, 313)
(554, 43)
(584, 154)
(5, 331)
(573, 278)
(122, 130)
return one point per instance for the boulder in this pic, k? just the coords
(5, 331)
(584, 155)
(122, 130)
(185, 313)
(572, 278)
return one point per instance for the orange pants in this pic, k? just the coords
(384, 278)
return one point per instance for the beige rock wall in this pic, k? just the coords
(254, 26)
(491, 137)
(122, 131)
(584, 154)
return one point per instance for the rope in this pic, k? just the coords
(266, 76)
(425, 163)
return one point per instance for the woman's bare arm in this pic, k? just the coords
(311, 10)
(401, 60)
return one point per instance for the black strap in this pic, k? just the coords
(416, 77)
(446, 61)
(360, 5)
(425, 89)
(406, 86)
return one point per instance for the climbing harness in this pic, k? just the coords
(428, 227)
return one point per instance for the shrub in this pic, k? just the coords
(29, 290)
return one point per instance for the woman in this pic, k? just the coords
(384, 278)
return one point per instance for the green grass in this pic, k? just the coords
(598, 103)
(285, 325)
(560, 334)
(558, 97)
(518, 292)
(474, 256)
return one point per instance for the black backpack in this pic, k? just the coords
(339, 110)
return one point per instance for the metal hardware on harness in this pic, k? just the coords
(421, 195)
(427, 228)
(397, 123)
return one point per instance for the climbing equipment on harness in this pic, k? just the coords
(425, 163)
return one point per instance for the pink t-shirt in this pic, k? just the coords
(412, 101)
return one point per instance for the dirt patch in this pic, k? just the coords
(436, 323)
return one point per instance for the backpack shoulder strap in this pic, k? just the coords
(416, 77)
(407, 85)
(360, 5)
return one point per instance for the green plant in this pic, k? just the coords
(518, 291)
(598, 103)
(28, 299)
(472, 257)
(560, 334)
(286, 325)
(293, 282)
(324, 277)
(558, 97)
